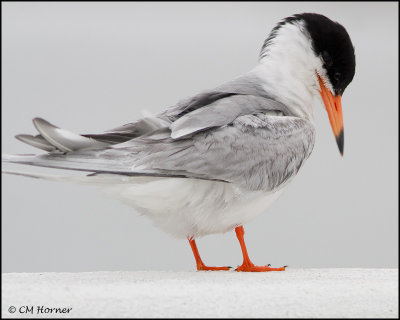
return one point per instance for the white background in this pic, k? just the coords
(89, 67)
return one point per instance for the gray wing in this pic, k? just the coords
(229, 133)
(210, 108)
(256, 152)
(248, 84)
(222, 112)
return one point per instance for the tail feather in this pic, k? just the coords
(76, 163)
(36, 141)
(64, 140)
(91, 179)
(39, 175)
(90, 153)
(53, 138)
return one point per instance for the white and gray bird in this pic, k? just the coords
(218, 159)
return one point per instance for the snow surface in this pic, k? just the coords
(293, 293)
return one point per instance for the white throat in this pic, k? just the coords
(288, 66)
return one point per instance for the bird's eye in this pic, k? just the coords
(336, 76)
(327, 59)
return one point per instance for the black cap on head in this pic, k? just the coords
(332, 42)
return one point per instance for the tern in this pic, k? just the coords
(216, 160)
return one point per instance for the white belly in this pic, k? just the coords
(191, 207)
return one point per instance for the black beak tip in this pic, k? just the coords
(340, 141)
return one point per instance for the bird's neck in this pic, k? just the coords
(287, 67)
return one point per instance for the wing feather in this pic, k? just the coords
(256, 152)
(220, 113)
(235, 133)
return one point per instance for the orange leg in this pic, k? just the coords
(199, 263)
(247, 264)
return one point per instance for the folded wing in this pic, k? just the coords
(234, 133)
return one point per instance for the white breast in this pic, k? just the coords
(192, 207)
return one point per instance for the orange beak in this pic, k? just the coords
(333, 105)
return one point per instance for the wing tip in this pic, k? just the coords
(40, 121)
(36, 141)
(15, 158)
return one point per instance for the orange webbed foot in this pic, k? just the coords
(199, 263)
(253, 268)
(206, 268)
